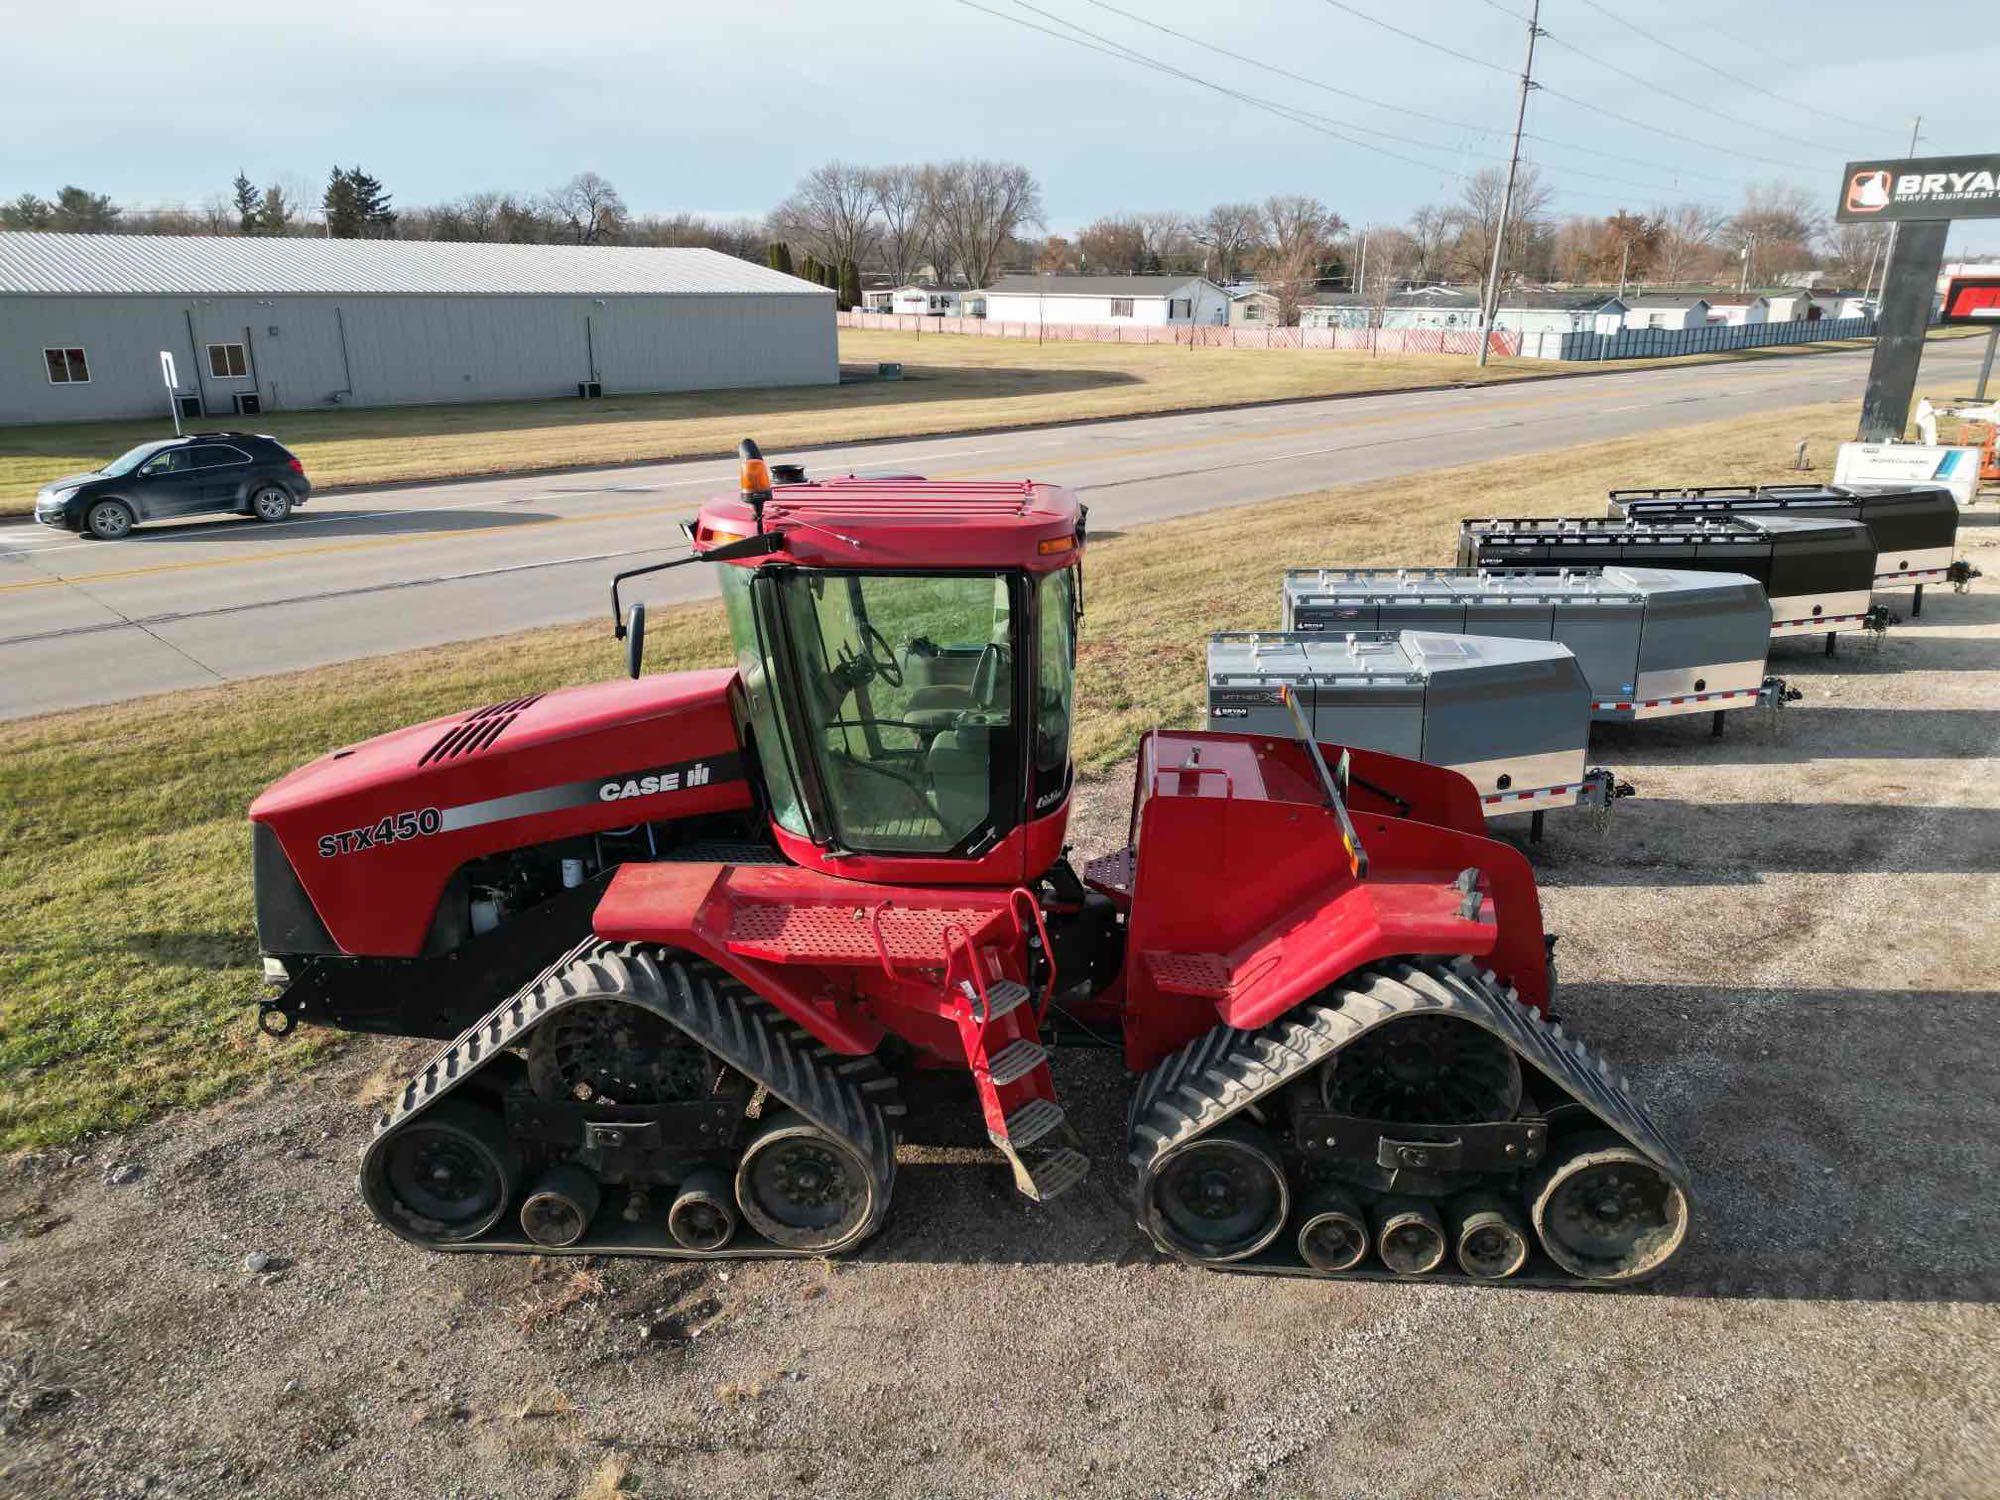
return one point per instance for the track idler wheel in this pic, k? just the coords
(703, 1216)
(804, 1188)
(1221, 1197)
(1333, 1234)
(1409, 1236)
(560, 1208)
(447, 1175)
(1604, 1212)
(1490, 1237)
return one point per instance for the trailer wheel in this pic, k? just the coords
(803, 1188)
(447, 1175)
(1222, 1196)
(1603, 1211)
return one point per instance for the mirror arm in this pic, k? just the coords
(751, 546)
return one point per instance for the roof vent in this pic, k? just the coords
(477, 731)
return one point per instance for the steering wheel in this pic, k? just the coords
(886, 666)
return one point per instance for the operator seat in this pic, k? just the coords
(943, 704)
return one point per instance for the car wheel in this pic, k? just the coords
(108, 520)
(272, 502)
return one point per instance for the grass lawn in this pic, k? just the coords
(127, 960)
(951, 383)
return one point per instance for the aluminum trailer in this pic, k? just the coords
(1819, 574)
(1915, 526)
(1510, 715)
(1652, 642)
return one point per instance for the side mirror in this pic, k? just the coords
(635, 640)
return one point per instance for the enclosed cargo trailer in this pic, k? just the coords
(1818, 574)
(1652, 642)
(1914, 526)
(1510, 715)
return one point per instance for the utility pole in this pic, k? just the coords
(1624, 260)
(1490, 303)
(1749, 249)
(1361, 279)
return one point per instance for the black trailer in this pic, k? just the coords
(1915, 526)
(1819, 574)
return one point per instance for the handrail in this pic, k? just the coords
(881, 941)
(982, 1012)
(1014, 899)
(1357, 856)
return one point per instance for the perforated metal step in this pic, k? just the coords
(1005, 998)
(1032, 1121)
(1055, 1174)
(1016, 1061)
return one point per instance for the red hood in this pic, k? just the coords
(440, 752)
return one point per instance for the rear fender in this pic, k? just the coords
(685, 906)
(1397, 913)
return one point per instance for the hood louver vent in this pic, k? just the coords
(477, 731)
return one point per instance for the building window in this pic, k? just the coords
(66, 367)
(1121, 307)
(1252, 312)
(226, 362)
(1180, 307)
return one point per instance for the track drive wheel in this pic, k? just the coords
(1221, 1197)
(1605, 1212)
(1425, 1070)
(447, 1175)
(804, 1188)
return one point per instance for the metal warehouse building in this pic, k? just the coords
(277, 324)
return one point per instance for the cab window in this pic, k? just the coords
(906, 687)
(1055, 683)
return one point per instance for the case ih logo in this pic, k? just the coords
(1933, 187)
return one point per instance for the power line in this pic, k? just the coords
(1696, 57)
(1424, 41)
(1127, 54)
(1487, 130)
(1710, 109)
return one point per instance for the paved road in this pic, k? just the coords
(180, 605)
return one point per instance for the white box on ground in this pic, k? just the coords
(1957, 469)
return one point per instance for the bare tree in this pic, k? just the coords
(1164, 243)
(1687, 240)
(1477, 223)
(1430, 232)
(1299, 234)
(1851, 251)
(1114, 246)
(977, 206)
(1774, 229)
(1233, 233)
(902, 207)
(1054, 256)
(831, 213)
(588, 209)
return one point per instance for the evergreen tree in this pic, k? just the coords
(274, 211)
(810, 270)
(245, 192)
(26, 212)
(850, 286)
(343, 211)
(778, 255)
(376, 219)
(79, 211)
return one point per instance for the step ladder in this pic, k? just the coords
(1017, 1093)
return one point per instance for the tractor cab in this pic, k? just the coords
(907, 654)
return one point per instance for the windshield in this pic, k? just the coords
(125, 463)
(907, 696)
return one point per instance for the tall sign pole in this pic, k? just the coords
(1919, 197)
(1490, 303)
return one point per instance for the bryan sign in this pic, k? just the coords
(1927, 187)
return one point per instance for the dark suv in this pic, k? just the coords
(196, 475)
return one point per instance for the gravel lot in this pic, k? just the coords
(1788, 939)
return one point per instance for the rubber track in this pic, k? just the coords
(851, 1097)
(1224, 1071)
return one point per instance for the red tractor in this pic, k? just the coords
(694, 939)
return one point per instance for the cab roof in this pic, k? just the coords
(902, 521)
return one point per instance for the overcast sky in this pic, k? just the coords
(718, 107)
